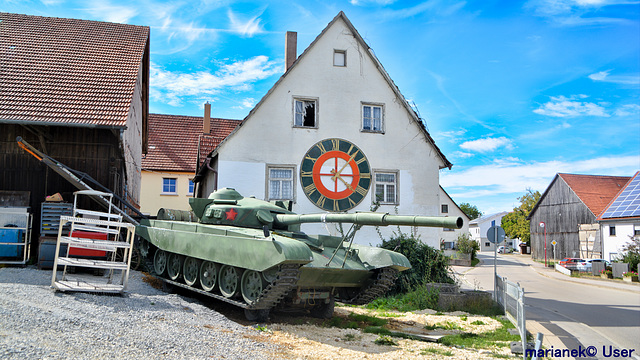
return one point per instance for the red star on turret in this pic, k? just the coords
(231, 214)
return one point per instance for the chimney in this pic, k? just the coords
(290, 49)
(206, 124)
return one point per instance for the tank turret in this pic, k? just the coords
(251, 253)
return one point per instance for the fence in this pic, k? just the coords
(511, 297)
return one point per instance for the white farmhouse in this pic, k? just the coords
(479, 227)
(333, 134)
(620, 221)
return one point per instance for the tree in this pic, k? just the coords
(515, 223)
(470, 210)
(631, 253)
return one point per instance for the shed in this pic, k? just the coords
(570, 201)
(78, 91)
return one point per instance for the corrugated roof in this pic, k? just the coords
(174, 141)
(68, 71)
(595, 191)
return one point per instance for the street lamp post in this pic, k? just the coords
(543, 225)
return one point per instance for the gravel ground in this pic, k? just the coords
(145, 323)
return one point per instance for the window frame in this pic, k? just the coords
(316, 114)
(344, 53)
(270, 167)
(374, 186)
(191, 186)
(612, 230)
(175, 186)
(372, 105)
(444, 208)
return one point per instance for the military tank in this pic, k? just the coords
(251, 253)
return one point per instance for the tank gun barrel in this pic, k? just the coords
(373, 219)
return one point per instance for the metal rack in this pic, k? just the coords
(15, 235)
(98, 231)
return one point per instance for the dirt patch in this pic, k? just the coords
(307, 338)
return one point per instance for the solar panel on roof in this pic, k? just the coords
(628, 202)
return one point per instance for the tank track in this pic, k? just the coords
(382, 284)
(286, 280)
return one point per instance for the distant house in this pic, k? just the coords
(448, 207)
(479, 227)
(569, 208)
(170, 164)
(620, 221)
(78, 91)
(333, 134)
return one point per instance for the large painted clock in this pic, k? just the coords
(335, 175)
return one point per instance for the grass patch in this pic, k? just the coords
(436, 351)
(499, 337)
(354, 321)
(478, 322)
(447, 325)
(475, 262)
(385, 340)
(420, 298)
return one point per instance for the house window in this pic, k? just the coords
(305, 113)
(191, 186)
(386, 185)
(612, 231)
(636, 230)
(339, 58)
(280, 183)
(372, 118)
(487, 244)
(447, 229)
(169, 186)
(444, 208)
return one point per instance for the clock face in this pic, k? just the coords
(335, 175)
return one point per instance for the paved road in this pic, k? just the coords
(571, 312)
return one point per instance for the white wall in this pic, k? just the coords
(612, 244)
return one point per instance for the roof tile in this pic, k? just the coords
(68, 70)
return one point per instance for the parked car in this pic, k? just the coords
(587, 264)
(570, 263)
(504, 250)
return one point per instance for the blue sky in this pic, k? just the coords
(513, 92)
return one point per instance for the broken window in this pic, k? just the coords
(305, 113)
(372, 118)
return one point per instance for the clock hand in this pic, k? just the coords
(337, 176)
(333, 178)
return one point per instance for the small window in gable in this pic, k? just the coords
(386, 187)
(305, 111)
(372, 118)
(445, 208)
(339, 58)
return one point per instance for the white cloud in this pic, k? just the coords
(487, 144)
(171, 87)
(247, 27)
(561, 106)
(617, 79)
(628, 110)
(105, 11)
(576, 12)
(495, 187)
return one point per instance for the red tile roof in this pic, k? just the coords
(596, 192)
(68, 71)
(174, 141)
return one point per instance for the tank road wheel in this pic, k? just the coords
(229, 279)
(257, 315)
(208, 275)
(174, 266)
(190, 270)
(160, 262)
(270, 274)
(251, 286)
(324, 311)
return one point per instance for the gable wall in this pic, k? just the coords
(268, 135)
(562, 211)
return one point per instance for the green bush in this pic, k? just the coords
(466, 245)
(631, 254)
(427, 264)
